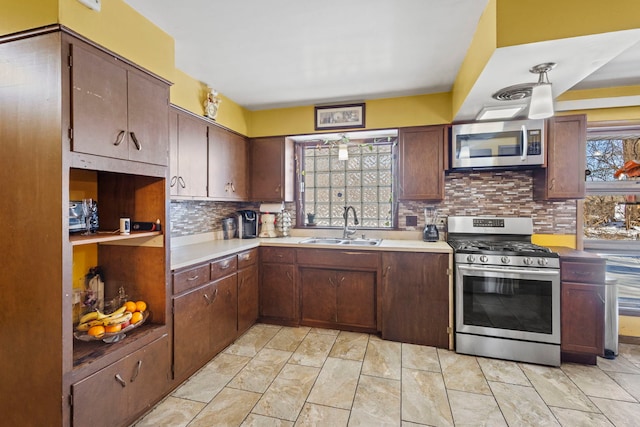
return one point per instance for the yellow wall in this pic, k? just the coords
(23, 15)
(528, 21)
(629, 326)
(567, 240)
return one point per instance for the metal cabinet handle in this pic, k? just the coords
(122, 382)
(289, 276)
(135, 141)
(191, 279)
(206, 297)
(181, 182)
(226, 265)
(119, 138)
(137, 371)
(233, 187)
(386, 271)
(174, 180)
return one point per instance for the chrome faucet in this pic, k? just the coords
(346, 232)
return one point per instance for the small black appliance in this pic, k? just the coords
(247, 224)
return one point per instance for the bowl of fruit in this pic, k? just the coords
(112, 327)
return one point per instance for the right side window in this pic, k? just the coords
(612, 208)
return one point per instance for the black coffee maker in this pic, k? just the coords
(247, 224)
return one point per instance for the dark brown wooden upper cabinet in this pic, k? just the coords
(116, 110)
(421, 163)
(188, 159)
(227, 165)
(272, 169)
(564, 176)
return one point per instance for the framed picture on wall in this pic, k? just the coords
(339, 116)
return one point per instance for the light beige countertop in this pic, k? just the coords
(200, 248)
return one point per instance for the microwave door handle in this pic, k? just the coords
(525, 144)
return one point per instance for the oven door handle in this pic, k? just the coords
(508, 270)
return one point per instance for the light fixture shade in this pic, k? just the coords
(541, 105)
(343, 154)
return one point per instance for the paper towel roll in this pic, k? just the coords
(271, 207)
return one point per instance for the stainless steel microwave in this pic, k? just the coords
(498, 144)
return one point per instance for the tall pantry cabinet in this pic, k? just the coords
(56, 120)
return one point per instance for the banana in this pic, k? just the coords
(118, 312)
(84, 326)
(93, 315)
(117, 320)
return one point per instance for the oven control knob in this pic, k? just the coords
(471, 258)
(527, 261)
(505, 260)
(543, 261)
(484, 258)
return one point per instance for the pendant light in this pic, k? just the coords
(541, 105)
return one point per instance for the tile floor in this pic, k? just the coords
(280, 376)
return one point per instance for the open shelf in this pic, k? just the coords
(78, 239)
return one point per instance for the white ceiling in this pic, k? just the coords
(281, 53)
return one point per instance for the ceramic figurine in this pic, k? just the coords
(211, 104)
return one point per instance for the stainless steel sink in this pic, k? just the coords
(338, 241)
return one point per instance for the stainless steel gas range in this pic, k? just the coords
(507, 290)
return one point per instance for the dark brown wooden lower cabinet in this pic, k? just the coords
(248, 297)
(121, 392)
(338, 298)
(223, 313)
(278, 293)
(415, 306)
(582, 324)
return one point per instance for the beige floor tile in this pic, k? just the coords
(255, 420)
(555, 387)
(350, 345)
(593, 382)
(313, 350)
(323, 331)
(420, 357)
(252, 341)
(288, 339)
(286, 395)
(462, 372)
(522, 406)
(472, 409)
(336, 384)
(424, 398)
(410, 424)
(377, 402)
(322, 416)
(630, 352)
(619, 364)
(621, 414)
(503, 371)
(171, 412)
(383, 359)
(571, 418)
(261, 370)
(229, 408)
(629, 382)
(206, 383)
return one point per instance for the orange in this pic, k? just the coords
(112, 328)
(131, 306)
(136, 317)
(96, 331)
(141, 306)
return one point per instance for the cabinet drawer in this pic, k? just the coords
(338, 258)
(223, 267)
(583, 272)
(283, 255)
(247, 258)
(125, 389)
(190, 278)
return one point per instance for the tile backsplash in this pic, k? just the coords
(504, 193)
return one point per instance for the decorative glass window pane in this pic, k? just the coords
(322, 179)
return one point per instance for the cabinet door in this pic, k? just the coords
(223, 313)
(124, 390)
(98, 104)
(248, 297)
(421, 163)
(278, 292)
(356, 299)
(564, 176)
(318, 295)
(192, 158)
(582, 318)
(173, 153)
(271, 169)
(191, 330)
(415, 307)
(228, 165)
(148, 104)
